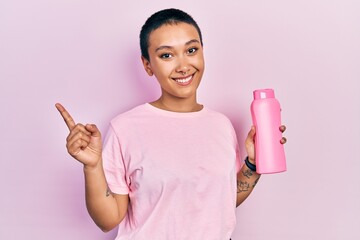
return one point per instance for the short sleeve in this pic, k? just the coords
(113, 164)
(238, 161)
(236, 147)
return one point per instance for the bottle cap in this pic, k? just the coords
(264, 93)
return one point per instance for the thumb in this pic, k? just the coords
(93, 130)
(252, 132)
(250, 137)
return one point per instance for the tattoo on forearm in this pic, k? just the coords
(108, 192)
(256, 181)
(247, 173)
(242, 186)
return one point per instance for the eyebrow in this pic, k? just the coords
(170, 47)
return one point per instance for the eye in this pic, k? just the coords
(192, 50)
(166, 56)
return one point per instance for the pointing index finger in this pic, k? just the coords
(66, 116)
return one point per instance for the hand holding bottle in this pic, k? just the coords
(84, 141)
(250, 142)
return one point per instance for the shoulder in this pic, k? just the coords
(219, 122)
(129, 115)
(218, 116)
(126, 120)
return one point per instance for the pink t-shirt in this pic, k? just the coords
(179, 170)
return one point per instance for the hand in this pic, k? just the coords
(83, 142)
(250, 142)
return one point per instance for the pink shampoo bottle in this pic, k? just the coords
(266, 117)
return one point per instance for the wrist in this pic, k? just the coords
(250, 165)
(93, 167)
(252, 160)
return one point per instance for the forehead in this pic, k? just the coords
(173, 35)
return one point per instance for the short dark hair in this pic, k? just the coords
(166, 16)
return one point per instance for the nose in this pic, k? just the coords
(183, 66)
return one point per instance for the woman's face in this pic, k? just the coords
(176, 59)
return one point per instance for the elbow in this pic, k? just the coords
(106, 229)
(108, 226)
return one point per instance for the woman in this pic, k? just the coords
(169, 169)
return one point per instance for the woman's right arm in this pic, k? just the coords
(105, 208)
(84, 144)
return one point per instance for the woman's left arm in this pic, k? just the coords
(247, 178)
(246, 181)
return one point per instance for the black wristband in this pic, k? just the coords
(251, 166)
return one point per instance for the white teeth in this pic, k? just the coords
(183, 80)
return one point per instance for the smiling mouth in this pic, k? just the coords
(184, 81)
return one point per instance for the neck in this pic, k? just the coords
(177, 105)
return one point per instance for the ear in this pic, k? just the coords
(147, 66)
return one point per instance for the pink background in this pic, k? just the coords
(85, 54)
